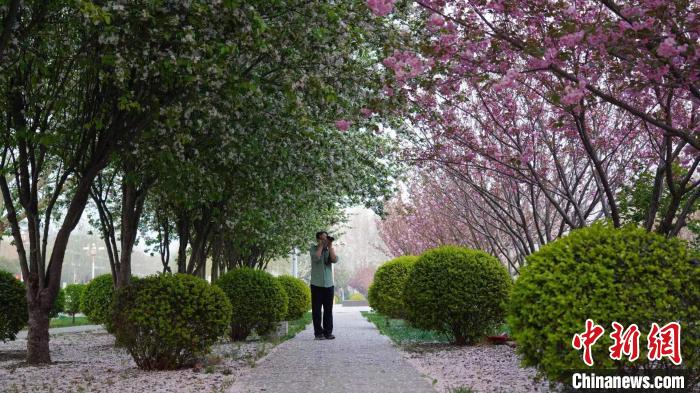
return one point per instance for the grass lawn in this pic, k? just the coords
(400, 332)
(297, 326)
(293, 328)
(65, 321)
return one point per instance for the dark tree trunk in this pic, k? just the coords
(217, 255)
(183, 234)
(214, 269)
(602, 176)
(133, 199)
(38, 335)
(164, 242)
(99, 192)
(199, 242)
(653, 207)
(8, 25)
(239, 333)
(40, 298)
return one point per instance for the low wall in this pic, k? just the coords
(355, 303)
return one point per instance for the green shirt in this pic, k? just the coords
(321, 274)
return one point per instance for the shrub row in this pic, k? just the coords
(166, 320)
(74, 297)
(386, 291)
(13, 307)
(259, 301)
(96, 301)
(452, 290)
(602, 273)
(625, 275)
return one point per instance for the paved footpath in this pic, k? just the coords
(68, 329)
(359, 360)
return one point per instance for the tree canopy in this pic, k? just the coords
(233, 127)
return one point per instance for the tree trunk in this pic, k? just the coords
(602, 177)
(183, 232)
(43, 298)
(214, 269)
(133, 200)
(198, 244)
(239, 333)
(38, 337)
(460, 339)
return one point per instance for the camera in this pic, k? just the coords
(330, 238)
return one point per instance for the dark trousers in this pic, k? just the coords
(322, 297)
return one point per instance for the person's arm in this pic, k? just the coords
(316, 253)
(331, 254)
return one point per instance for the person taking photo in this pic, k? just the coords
(323, 257)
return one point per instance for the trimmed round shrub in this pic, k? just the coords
(386, 292)
(97, 299)
(458, 292)
(13, 306)
(258, 300)
(59, 304)
(298, 297)
(625, 275)
(74, 294)
(166, 321)
(357, 296)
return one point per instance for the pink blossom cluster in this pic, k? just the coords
(669, 48)
(381, 7)
(343, 124)
(507, 81)
(573, 94)
(406, 65)
(436, 21)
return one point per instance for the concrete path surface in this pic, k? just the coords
(68, 329)
(359, 360)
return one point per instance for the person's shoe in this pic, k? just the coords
(329, 337)
(319, 337)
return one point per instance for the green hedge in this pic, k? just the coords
(625, 275)
(258, 300)
(13, 306)
(457, 291)
(298, 296)
(386, 292)
(74, 295)
(97, 299)
(59, 304)
(167, 320)
(357, 296)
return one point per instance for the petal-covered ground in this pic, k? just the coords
(480, 368)
(89, 362)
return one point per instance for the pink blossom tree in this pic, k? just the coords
(569, 98)
(362, 278)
